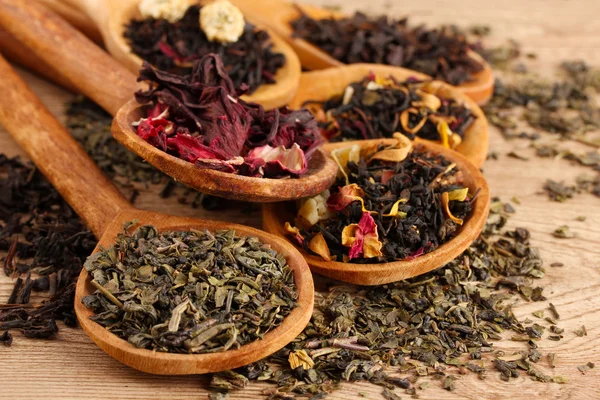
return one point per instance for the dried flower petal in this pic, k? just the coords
(394, 211)
(279, 160)
(319, 246)
(343, 156)
(362, 238)
(445, 200)
(299, 358)
(404, 120)
(295, 232)
(346, 195)
(222, 22)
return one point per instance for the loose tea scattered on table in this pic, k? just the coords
(90, 125)
(45, 244)
(377, 107)
(389, 203)
(173, 45)
(442, 53)
(198, 118)
(436, 326)
(189, 291)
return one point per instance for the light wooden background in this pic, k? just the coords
(73, 367)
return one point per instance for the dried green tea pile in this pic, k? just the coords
(189, 291)
(377, 107)
(173, 42)
(442, 53)
(436, 326)
(389, 203)
(45, 244)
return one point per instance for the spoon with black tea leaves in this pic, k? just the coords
(110, 85)
(103, 208)
(111, 17)
(278, 15)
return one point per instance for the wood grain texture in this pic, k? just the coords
(105, 210)
(323, 84)
(73, 367)
(277, 15)
(276, 215)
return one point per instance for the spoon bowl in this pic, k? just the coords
(111, 16)
(278, 15)
(162, 363)
(276, 215)
(321, 168)
(321, 85)
(110, 85)
(105, 210)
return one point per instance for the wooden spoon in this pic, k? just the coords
(104, 210)
(322, 84)
(111, 16)
(276, 215)
(277, 15)
(110, 85)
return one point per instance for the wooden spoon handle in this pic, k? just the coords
(73, 16)
(65, 49)
(96, 10)
(57, 154)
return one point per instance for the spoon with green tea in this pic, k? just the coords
(104, 210)
(110, 85)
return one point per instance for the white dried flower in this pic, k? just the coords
(171, 10)
(221, 21)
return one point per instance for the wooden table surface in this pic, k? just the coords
(73, 367)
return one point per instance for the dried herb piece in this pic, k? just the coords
(581, 332)
(6, 338)
(199, 119)
(378, 107)
(563, 232)
(251, 61)
(189, 291)
(442, 53)
(390, 203)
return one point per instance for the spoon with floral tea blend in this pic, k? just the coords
(221, 115)
(398, 209)
(278, 16)
(113, 16)
(105, 211)
(375, 99)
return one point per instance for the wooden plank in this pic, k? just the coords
(72, 367)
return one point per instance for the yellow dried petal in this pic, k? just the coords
(349, 235)
(458, 194)
(445, 199)
(428, 100)
(372, 246)
(319, 246)
(394, 211)
(300, 358)
(395, 153)
(404, 117)
(445, 132)
(343, 156)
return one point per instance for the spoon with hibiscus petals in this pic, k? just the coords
(104, 211)
(105, 81)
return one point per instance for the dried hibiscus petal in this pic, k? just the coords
(362, 238)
